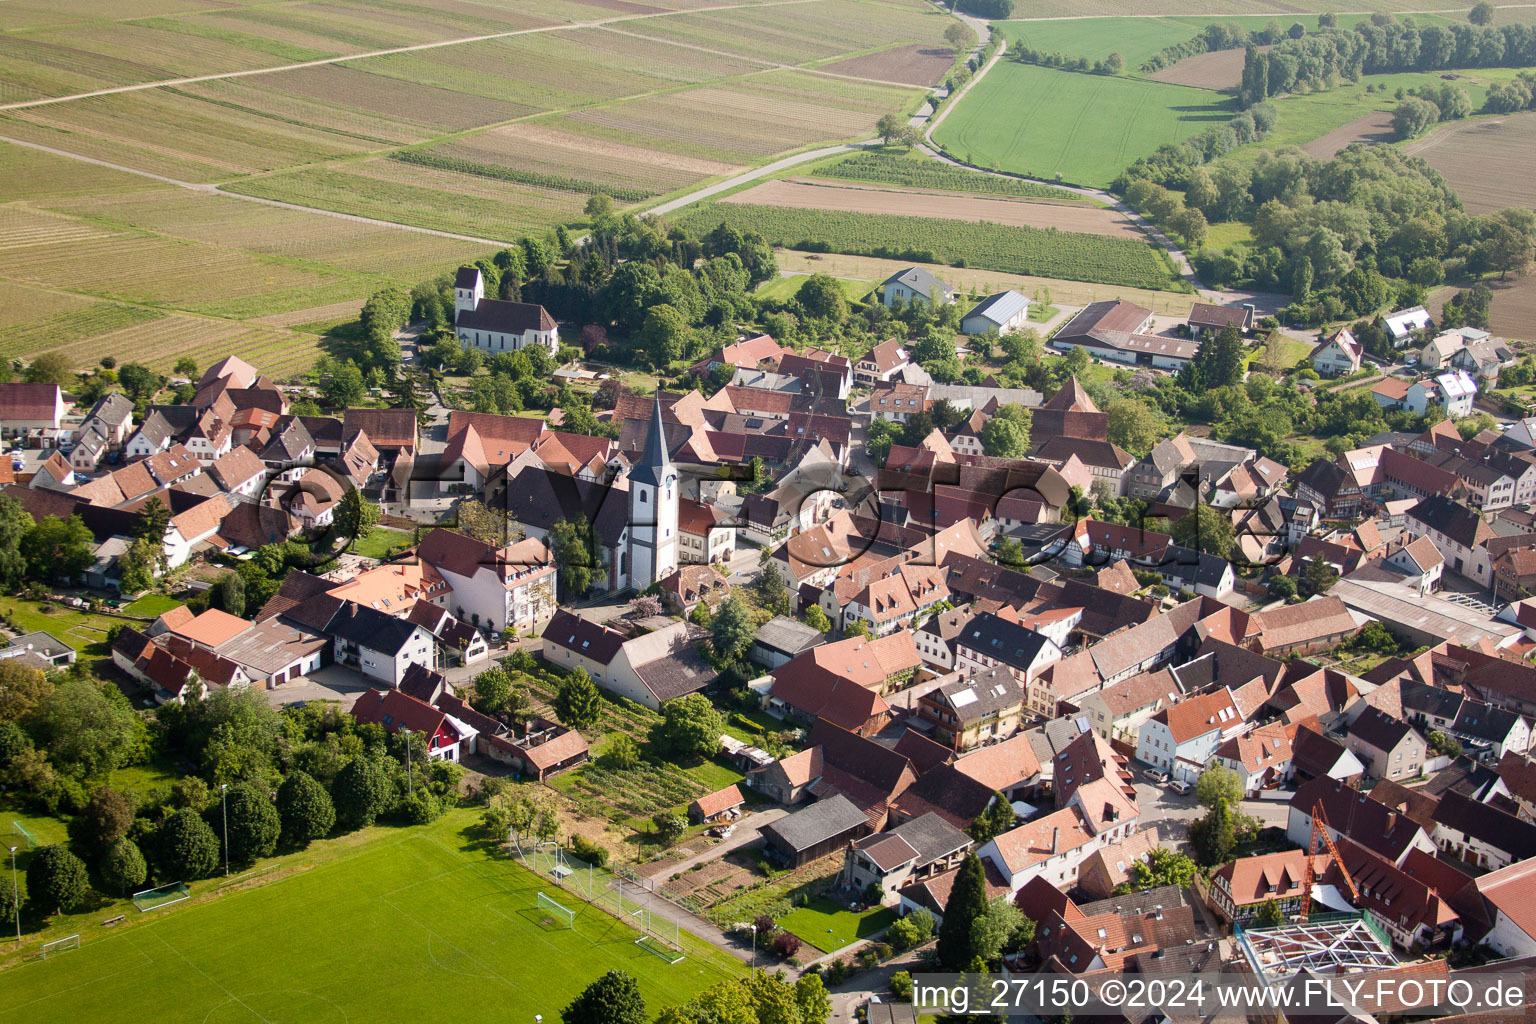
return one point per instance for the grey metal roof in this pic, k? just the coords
(823, 820)
(783, 633)
(1000, 308)
(931, 836)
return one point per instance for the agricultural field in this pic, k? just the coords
(916, 64)
(1487, 160)
(1082, 129)
(499, 211)
(983, 282)
(1375, 127)
(1216, 69)
(1205, 9)
(376, 928)
(914, 170)
(1135, 39)
(33, 174)
(1307, 119)
(985, 246)
(845, 197)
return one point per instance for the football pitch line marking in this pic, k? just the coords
(564, 27)
(149, 961)
(249, 1008)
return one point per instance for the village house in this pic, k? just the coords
(378, 645)
(888, 861)
(1182, 739)
(1457, 532)
(915, 285)
(1510, 893)
(1261, 759)
(884, 362)
(1114, 330)
(648, 669)
(967, 713)
(1402, 325)
(1389, 747)
(1480, 834)
(1206, 320)
(1339, 356)
(28, 407)
(447, 737)
(1052, 847)
(1239, 889)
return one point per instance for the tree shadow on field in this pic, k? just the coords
(474, 839)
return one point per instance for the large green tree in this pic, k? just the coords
(56, 879)
(305, 809)
(122, 866)
(1205, 529)
(967, 903)
(612, 999)
(254, 825)
(56, 548)
(51, 368)
(15, 523)
(360, 793)
(105, 819)
(578, 703)
(87, 730)
(1133, 425)
(355, 515)
(1219, 783)
(1214, 835)
(188, 848)
(571, 546)
(732, 629)
(690, 728)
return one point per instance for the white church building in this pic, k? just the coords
(495, 325)
(651, 542)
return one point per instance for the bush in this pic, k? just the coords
(253, 823)
(901, 986)
(786, 945)
(589, 851)
(913, 930)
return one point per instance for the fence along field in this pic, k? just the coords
(981, 245)
(376, 935)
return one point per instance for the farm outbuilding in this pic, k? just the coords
(1003, 312)
(822, 828)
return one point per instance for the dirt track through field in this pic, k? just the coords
(1021, 213)
(1373, 127)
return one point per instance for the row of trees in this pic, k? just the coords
(762, 998)
(1382, 45)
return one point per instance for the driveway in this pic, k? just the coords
(333, 682)
(748, 832)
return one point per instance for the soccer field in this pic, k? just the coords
(412, 926)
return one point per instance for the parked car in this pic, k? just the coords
(1180, 787)
(1153, 775)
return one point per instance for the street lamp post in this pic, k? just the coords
(409, 785)
(16, 895)
(224, 806)
(754, 947)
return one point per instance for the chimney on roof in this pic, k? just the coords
(1055, 839)
(1158, 912)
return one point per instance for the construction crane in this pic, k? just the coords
(1320, 828)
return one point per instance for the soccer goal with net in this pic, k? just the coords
(554, 914)
(20, 831)
(164, 896)
(47, 949)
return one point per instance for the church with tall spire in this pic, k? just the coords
(651, 551)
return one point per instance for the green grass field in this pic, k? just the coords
(392, 929)
(782, 288)
(1135, 39)
(152, 605)
(382, 542)
(81, 630)
(829, 927)
(1044, 122)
